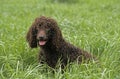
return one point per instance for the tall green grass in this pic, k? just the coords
(89, 24)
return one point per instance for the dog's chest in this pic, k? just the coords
(52, 58)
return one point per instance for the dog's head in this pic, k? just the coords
(42, 31)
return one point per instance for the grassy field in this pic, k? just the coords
(93, 25)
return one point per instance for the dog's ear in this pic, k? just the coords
(31, 36)
(56, 33)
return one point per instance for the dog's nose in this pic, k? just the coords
(41, 37)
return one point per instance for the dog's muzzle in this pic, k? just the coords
(42, 40)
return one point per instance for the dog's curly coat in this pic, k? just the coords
(46, 34)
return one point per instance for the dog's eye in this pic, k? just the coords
(39, 25)
(51, 32)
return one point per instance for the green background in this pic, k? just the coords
(92, 25)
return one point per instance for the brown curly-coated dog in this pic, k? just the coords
(46, 34)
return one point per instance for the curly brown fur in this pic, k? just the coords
(46, 34)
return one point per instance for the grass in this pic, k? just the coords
(89, 24)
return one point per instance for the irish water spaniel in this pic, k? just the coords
(46, 34)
